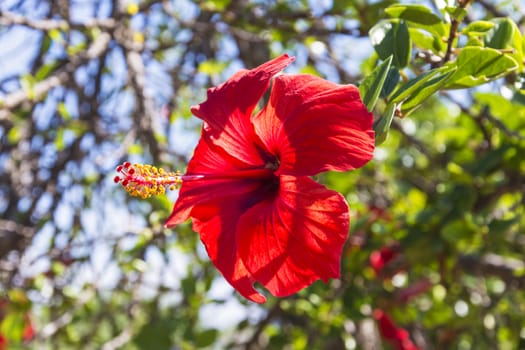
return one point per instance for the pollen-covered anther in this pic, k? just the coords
(144, 180)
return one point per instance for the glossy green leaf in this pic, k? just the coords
(382, 126)
(420, 16)
(415, 13)
(478, 65)
(426, 89)
(505, 35)
(391, 38)
(391, 81)
(422, 83)
(371, 87)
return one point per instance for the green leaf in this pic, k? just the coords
(489, 161)
(12, 326)
(478, 27)
(459, 231)
(371, 87)
(76, 49)
(62, 110)
(215, 5)
(59, 140)
(478, 65)
(425, 90)
(424, 40)
(391, 81)
(391, 38)
(14, 135)
(28, 82)
(458, 13)
(382, 126)
(211, 67)
(206, 338)
(429, 80)
(135, 149)
(415, 13)
(505, 35)
(155, 335)
(44, 71)
(56, 35)
(418, 16)
(474, 41)
(500, 36)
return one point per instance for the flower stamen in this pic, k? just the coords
(144, 180)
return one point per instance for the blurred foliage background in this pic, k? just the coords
(437, 239)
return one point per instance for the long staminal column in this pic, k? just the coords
(144, 181)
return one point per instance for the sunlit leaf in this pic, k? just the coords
(371, 87)
(391, 38)
(426, 84)
(478, 27)
(211, 67)
(420, 16)
(478, 65)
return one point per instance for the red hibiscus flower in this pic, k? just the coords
(397, 336)
(380, 258)
(247, 187)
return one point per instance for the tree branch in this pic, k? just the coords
(40, 90)
(491, 264)
(453, 32)
(9, 18)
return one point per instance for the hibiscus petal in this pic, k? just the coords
(214, 165)
(215, 206)
(216, 203)
(313, 125)
(214, 176)
(229, 106)
(297, 237)
(217, 232)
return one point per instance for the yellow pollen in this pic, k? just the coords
(144, 180)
